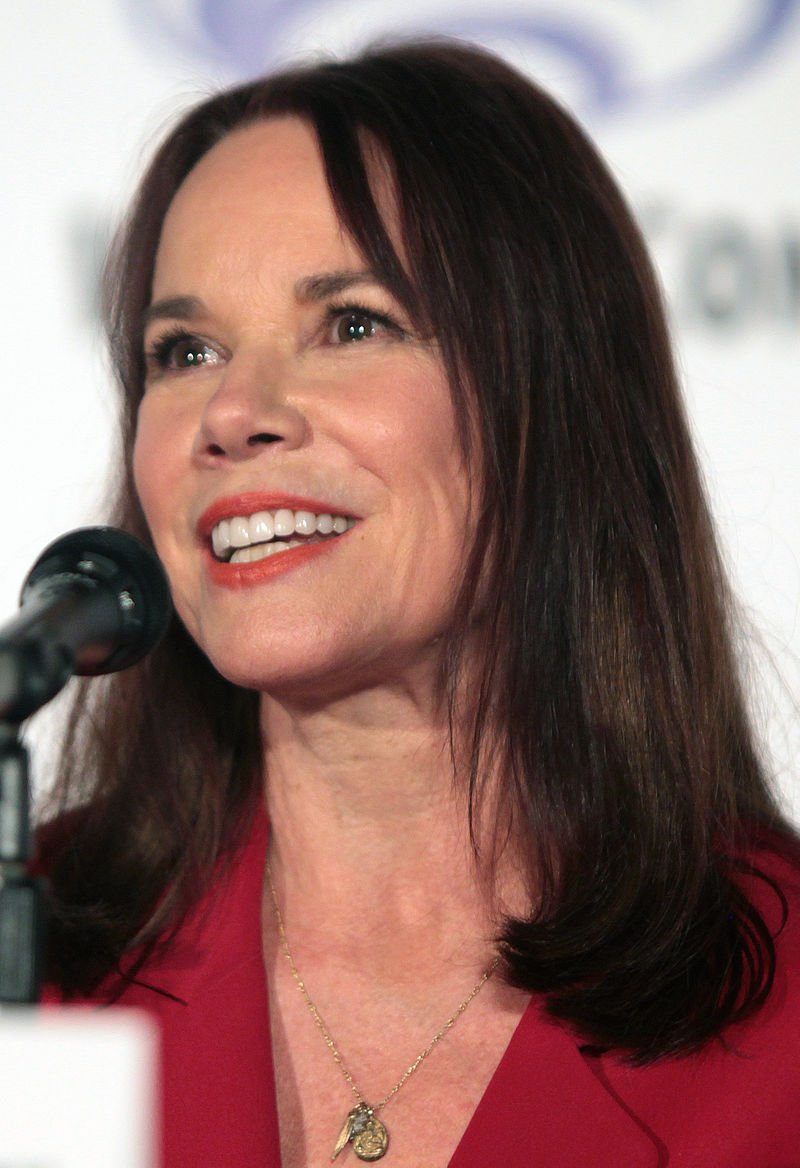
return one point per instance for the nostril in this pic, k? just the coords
(257, 439)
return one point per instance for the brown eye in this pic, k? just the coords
(355, 326)
(186, 354)
(182, 351)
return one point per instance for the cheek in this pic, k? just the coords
(148, 468)
(406, 428)
(431, 506)
(158, 460)
(159, 473)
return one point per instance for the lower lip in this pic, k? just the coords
(278, 564)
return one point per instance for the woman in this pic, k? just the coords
(402, 423)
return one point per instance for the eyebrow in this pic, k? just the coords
(310, 289)
(173, 308)
(319, 287)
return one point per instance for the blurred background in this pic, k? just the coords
(697, 108)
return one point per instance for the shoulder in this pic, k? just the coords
(769, 875)
(735, 1101)
(778, 861)
(204, 987)
(768, 872)
(221, 927)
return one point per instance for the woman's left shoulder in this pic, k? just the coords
(734, 1102)
(768, 872)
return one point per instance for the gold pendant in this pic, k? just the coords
(368, 1135)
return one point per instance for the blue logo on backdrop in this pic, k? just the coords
(588, 42)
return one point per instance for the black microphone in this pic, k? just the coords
(95, 601)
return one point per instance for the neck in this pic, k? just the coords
(370, 824)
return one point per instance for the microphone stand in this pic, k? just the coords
(22, 903)
(95, 601)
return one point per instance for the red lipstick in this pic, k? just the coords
(246, 575)
(252, 501)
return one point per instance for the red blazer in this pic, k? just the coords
(736, 1105)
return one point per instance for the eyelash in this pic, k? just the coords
(339, 312)
(161, 351)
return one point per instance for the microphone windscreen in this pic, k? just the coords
(121, 564)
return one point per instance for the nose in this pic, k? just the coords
(248, 411)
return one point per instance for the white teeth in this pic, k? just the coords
(250, 555)
(248, 537)
(305, 523)
(239, 533)
(262, 526)
(284, 522)
(221, 538)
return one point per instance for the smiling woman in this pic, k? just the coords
(284, 380)
(435, 828)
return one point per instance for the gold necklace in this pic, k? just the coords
(361, 1127)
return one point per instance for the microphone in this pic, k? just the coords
(95, 601)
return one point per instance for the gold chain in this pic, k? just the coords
(363, 1109)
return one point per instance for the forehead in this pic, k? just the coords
(280, 151)
(261, 189)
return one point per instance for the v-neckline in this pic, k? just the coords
(541, 1074)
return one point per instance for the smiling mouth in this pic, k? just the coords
(244, 539)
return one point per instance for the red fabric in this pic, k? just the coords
(737, 1105)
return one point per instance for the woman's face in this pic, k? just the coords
(287, 389)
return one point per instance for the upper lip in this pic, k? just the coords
(252, 501)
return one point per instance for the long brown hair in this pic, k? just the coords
(608, 663)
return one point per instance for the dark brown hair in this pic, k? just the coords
(608, 663)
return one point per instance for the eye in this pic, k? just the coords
(181, 350)
(352, 324)
(355, 326)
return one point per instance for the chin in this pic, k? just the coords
(270, 666)
(318, 657)
(319, 678)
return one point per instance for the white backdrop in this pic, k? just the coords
(696, 106)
